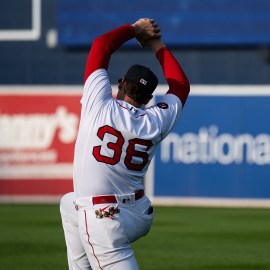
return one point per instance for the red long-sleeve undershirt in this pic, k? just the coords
(104, 46)
(174, 74)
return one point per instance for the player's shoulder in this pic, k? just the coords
(171, 99)
(97, 90)
(98, 74)
(167, 103)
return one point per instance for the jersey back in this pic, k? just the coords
(117, 141)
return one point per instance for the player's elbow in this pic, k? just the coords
(184, 86)
(187, 86)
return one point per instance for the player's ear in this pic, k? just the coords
(121, 93)
(121, 83)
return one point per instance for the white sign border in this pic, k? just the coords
(26, 35)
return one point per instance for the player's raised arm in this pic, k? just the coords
(173, 72)
(106, 44)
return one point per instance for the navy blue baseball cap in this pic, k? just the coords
(143, 76)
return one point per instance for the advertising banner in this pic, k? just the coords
(220, 148)
(37, 135)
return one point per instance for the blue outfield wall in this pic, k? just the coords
(219, 149)
(185, 22)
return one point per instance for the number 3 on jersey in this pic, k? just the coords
(117, 149)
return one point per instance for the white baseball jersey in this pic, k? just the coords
(117, 141)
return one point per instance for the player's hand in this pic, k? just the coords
(146, 29)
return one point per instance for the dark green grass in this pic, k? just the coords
(31, 237)
(207, 239)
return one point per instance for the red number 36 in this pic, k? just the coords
(117, 149)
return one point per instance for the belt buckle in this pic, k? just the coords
(126, 200)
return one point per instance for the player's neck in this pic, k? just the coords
(132, 102)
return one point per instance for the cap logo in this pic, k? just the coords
(143, 81)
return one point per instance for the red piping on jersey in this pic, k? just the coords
(140, 115)
(175, 76)
(122, 106)
(86, 228)
(127, 109)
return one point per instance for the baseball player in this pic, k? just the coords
(116, 141)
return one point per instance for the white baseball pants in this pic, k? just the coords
(105, 241)
(77, 259)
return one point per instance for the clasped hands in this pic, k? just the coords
(145, 30)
